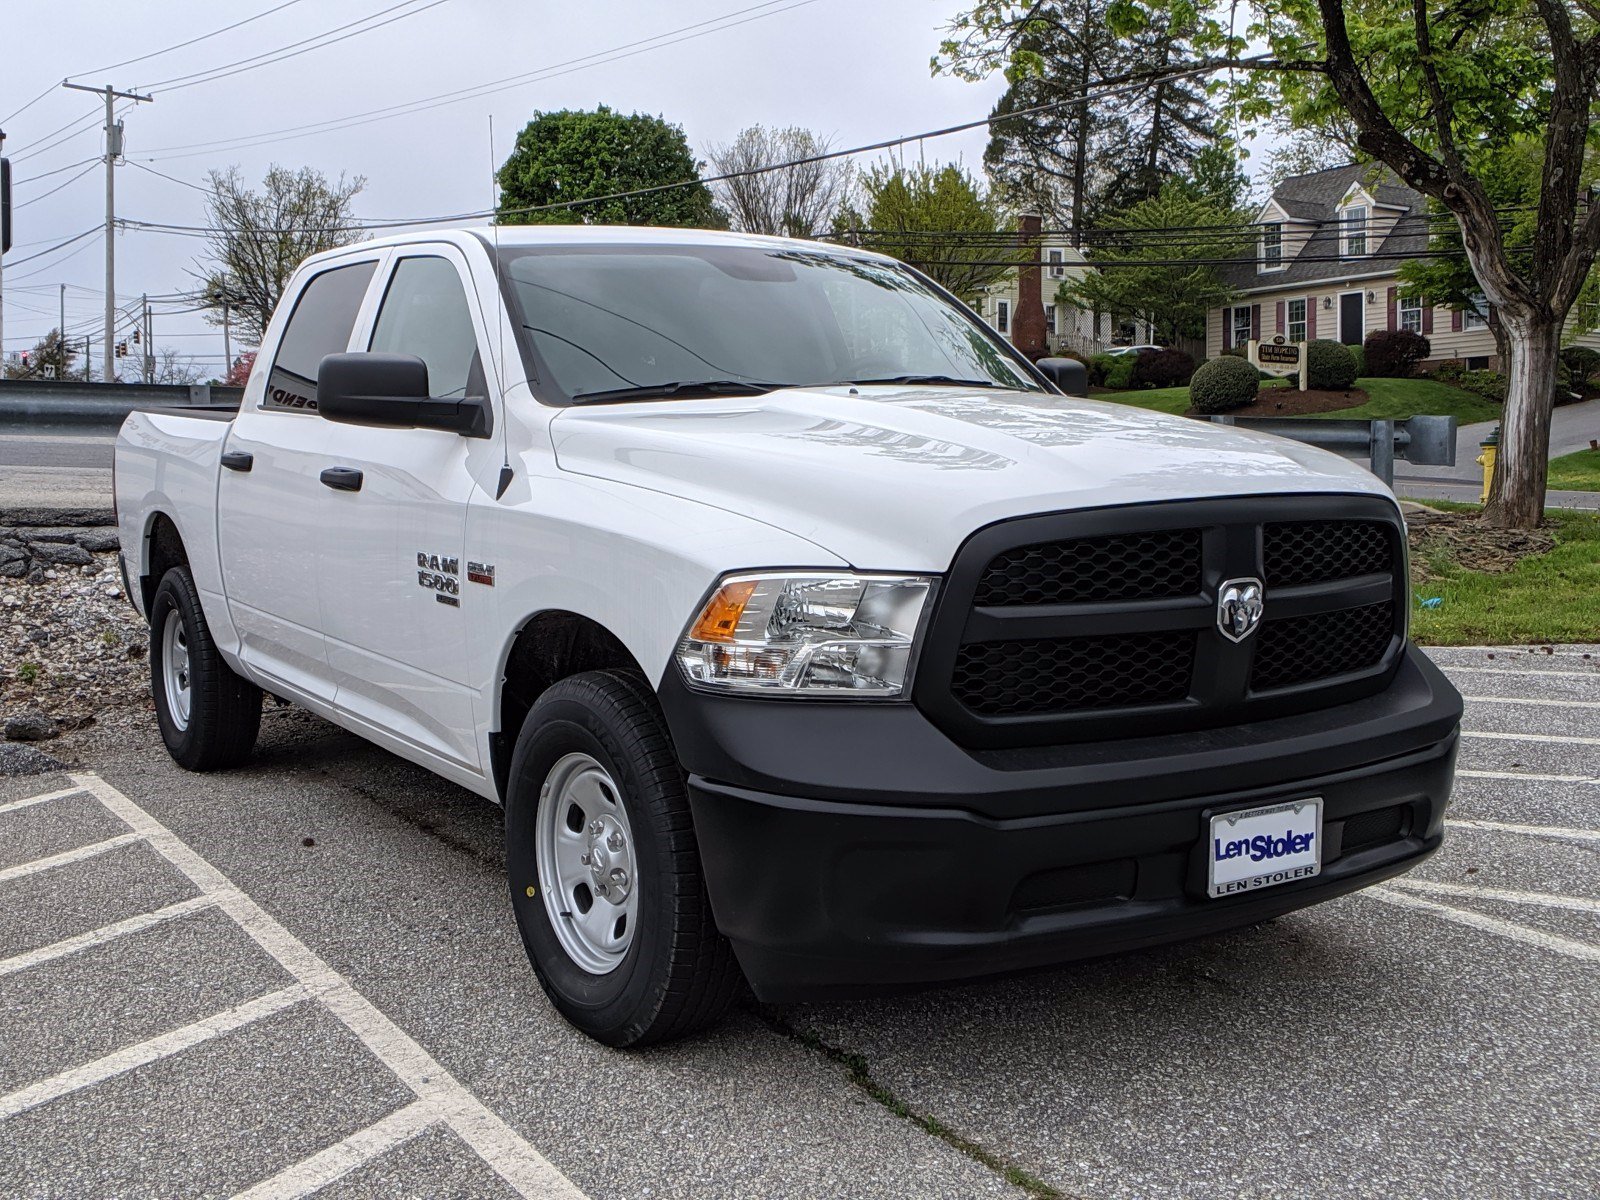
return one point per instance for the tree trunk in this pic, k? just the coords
(1516, 500)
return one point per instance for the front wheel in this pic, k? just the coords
(209, 716)
(604, 870)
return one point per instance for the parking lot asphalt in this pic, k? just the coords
(303, 976)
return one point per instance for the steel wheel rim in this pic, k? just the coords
(175, 668)
(584, 849)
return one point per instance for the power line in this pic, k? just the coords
(93, 163)
(169, 178)
(477, 91)
(28, 105)
(181, 45)
(57, 171)
(210, 75)
(78, 237)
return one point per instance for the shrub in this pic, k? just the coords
(1359, 354)
(1120, 375)
(1099, 367)
(1330, 366)
(1162, 368)
(1223, 384)
(1394, 353)
(1579, 365)
(1450, 371)
(1491, 385)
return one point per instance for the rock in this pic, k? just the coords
(38, 636)
(14, 570)
(36, 575)
(25, 760)
(100, 540)
(57, 516)
(31, 726)
(11, 554)
(66, 555)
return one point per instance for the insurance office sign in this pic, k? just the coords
(1279, 357)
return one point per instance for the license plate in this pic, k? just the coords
(1262, 847)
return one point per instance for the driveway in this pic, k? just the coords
(303, 976)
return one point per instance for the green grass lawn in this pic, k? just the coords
(1387, 399)
(1577, 472)
(1547, 597)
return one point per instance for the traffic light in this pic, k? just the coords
(122, 349)
(135, 335)
(25, 360)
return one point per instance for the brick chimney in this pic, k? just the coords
(1027, 324)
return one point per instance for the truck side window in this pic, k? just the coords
(320, 325)
(425, 313)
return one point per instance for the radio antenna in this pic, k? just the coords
(500, 317)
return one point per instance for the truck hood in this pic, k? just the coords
(895, 478)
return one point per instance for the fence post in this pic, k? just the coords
(1383, 451)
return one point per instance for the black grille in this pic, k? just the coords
(1074, 674)
(1373, 828)
(1137, 566)
(1296, 552)
(1304, 649)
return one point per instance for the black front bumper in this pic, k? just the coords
(853, 848)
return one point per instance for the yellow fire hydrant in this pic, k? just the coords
(1491, 449)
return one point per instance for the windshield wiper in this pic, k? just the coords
(949, 380)
(686, 387)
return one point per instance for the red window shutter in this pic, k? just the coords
(1255, 322)
(1227, 329)
(1393, 304)
(1455, 320)
(1427, 317)
(1280, 316)
(1311, 318)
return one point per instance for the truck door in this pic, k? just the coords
(396, 599)
(273, 511)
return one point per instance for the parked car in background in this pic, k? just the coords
(1120, 350)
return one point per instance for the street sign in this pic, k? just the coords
(1279, 357)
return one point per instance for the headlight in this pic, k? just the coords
(807, 634)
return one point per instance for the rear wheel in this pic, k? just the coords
(604, 869)
(209, 716)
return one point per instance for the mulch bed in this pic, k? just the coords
(1292, 402)
(1468, 542)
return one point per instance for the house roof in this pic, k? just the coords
(1315, 198)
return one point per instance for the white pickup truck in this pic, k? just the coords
(807, 633)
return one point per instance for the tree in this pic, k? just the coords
(257, 239)
(239, 370)
(1100, 154)
(168, 366)
(50, 358)
(1438, 94)
(938, 219)
(579, 155)
(796, 202)
(1158, 280)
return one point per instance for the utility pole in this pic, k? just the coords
(61, 335)
(5, 170)
(149, 344)
(227, 343)
(113, 152)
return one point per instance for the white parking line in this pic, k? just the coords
(106, 933)
(1527, 777)
(1540, 701)
(67, 856)
(14, 805)
(1557, 832)
(1580, 904)
(339, 1159)
(176, 1041)
(1476, 920)
(1529, 674)
(500, 1146)
(1552, 739)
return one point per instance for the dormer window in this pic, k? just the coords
(1354, 220)
(1272, 247)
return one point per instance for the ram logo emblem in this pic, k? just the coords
(1239, 608)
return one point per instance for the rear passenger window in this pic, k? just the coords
(425, 313)
(320, 325)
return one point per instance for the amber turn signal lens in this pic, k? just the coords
(720, 617)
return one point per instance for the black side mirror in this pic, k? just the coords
(1068, 374)
(391, 391)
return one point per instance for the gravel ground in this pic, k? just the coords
(71, 647)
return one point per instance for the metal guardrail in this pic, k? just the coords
(1427, 441)
(36, 402)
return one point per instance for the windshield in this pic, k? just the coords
(613, 321)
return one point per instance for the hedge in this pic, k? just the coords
(1223, 384)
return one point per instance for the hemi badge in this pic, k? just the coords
(478, 572)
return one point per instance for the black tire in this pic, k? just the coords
(224, 710)
(678, 973)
